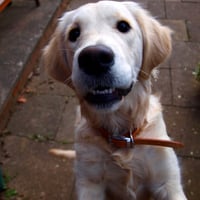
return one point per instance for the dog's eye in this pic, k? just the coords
(74, 34)
(123, 26)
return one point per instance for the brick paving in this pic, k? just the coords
(46, 120)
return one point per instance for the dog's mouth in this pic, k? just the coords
(104, 97)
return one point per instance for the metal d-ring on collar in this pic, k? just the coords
(129, 141)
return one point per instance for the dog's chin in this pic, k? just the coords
(106, 99)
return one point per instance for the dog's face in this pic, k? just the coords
(105, 61)
(102, 49)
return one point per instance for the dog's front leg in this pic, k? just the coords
(89, 184)
(167, 179)
(89, 176)
(87, 190)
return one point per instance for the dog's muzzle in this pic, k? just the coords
(96, 62)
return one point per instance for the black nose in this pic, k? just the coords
(96, 60)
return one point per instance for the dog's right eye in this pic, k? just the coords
(74, 34)
(123, 26)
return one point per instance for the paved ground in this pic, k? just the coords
(46, 120)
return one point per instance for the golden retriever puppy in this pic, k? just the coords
(106, 52)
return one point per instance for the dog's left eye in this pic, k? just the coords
(123, 26)
(74, 34)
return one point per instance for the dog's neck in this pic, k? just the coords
(132, 113)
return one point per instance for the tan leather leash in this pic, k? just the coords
(130, 139)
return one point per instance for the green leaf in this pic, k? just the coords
(9, 193)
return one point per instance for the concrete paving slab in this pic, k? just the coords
(76, 3)
(66, 128)
(173, 0)
(191, 1)
(193, 30)
(186, 89)
(36, 174)
(39, 117)
(12, 63)
(22, 27)
(183, 125)
(182, 10)
(179, 29)
(157, 8)
(41, 84)
(154, 6)
(191, 177)
(185, 55)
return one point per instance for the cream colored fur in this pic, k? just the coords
(103, 171)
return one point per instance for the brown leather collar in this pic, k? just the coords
(130, 139)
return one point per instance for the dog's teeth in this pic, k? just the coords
(111, 90)
(106, 91)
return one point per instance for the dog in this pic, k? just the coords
(106, 52)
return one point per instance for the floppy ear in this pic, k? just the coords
(156, 40)
(55, 59)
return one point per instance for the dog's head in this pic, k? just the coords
(102, 49)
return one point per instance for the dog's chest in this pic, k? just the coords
(118, 180)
